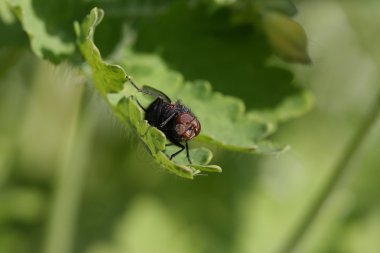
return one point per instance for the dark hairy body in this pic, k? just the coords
(175, 120)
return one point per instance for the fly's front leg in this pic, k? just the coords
(179, 151)
(187, 153)
(138, 88)
(149, 90)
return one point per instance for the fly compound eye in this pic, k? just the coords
(187, 126)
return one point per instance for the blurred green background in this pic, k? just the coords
(73, 179)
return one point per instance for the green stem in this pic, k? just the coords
(341, 167)
(62, 223)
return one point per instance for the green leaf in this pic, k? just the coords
(6, 15)
(48, 38)
(286, 36)
(233, 57)
(198, 156)
(224, 120)
(292, 107)
(109, 80)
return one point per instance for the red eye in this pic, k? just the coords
(187, 126)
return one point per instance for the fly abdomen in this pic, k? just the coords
(153, 113)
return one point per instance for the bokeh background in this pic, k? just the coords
(73, 179)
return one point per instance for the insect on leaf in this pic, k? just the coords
(225, 122)
(110, 81)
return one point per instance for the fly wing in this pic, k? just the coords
(154, 92)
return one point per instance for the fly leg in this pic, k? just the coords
(140, 105)
(187, 153)
(138, 88)
(179, 151)
(149, 90)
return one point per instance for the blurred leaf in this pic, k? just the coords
(361, 235)
(208, 44)
(248, 10)
(362, 17)
(6, 14)
(12, 34)
(148, 220)
(284, 6)
(292, 107)
(289, 45)
(286, 36)
(21, 204)
(47, 38)
(13, 241)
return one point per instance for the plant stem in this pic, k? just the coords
(340, 168)
(70, 178)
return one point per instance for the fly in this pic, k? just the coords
(175, 120)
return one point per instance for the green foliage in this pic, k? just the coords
(209, 43)
(55, 41)
(292, 107)
(46, 29)
(232, 129)
(72, 180)
(109, 80)
(286, 36)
